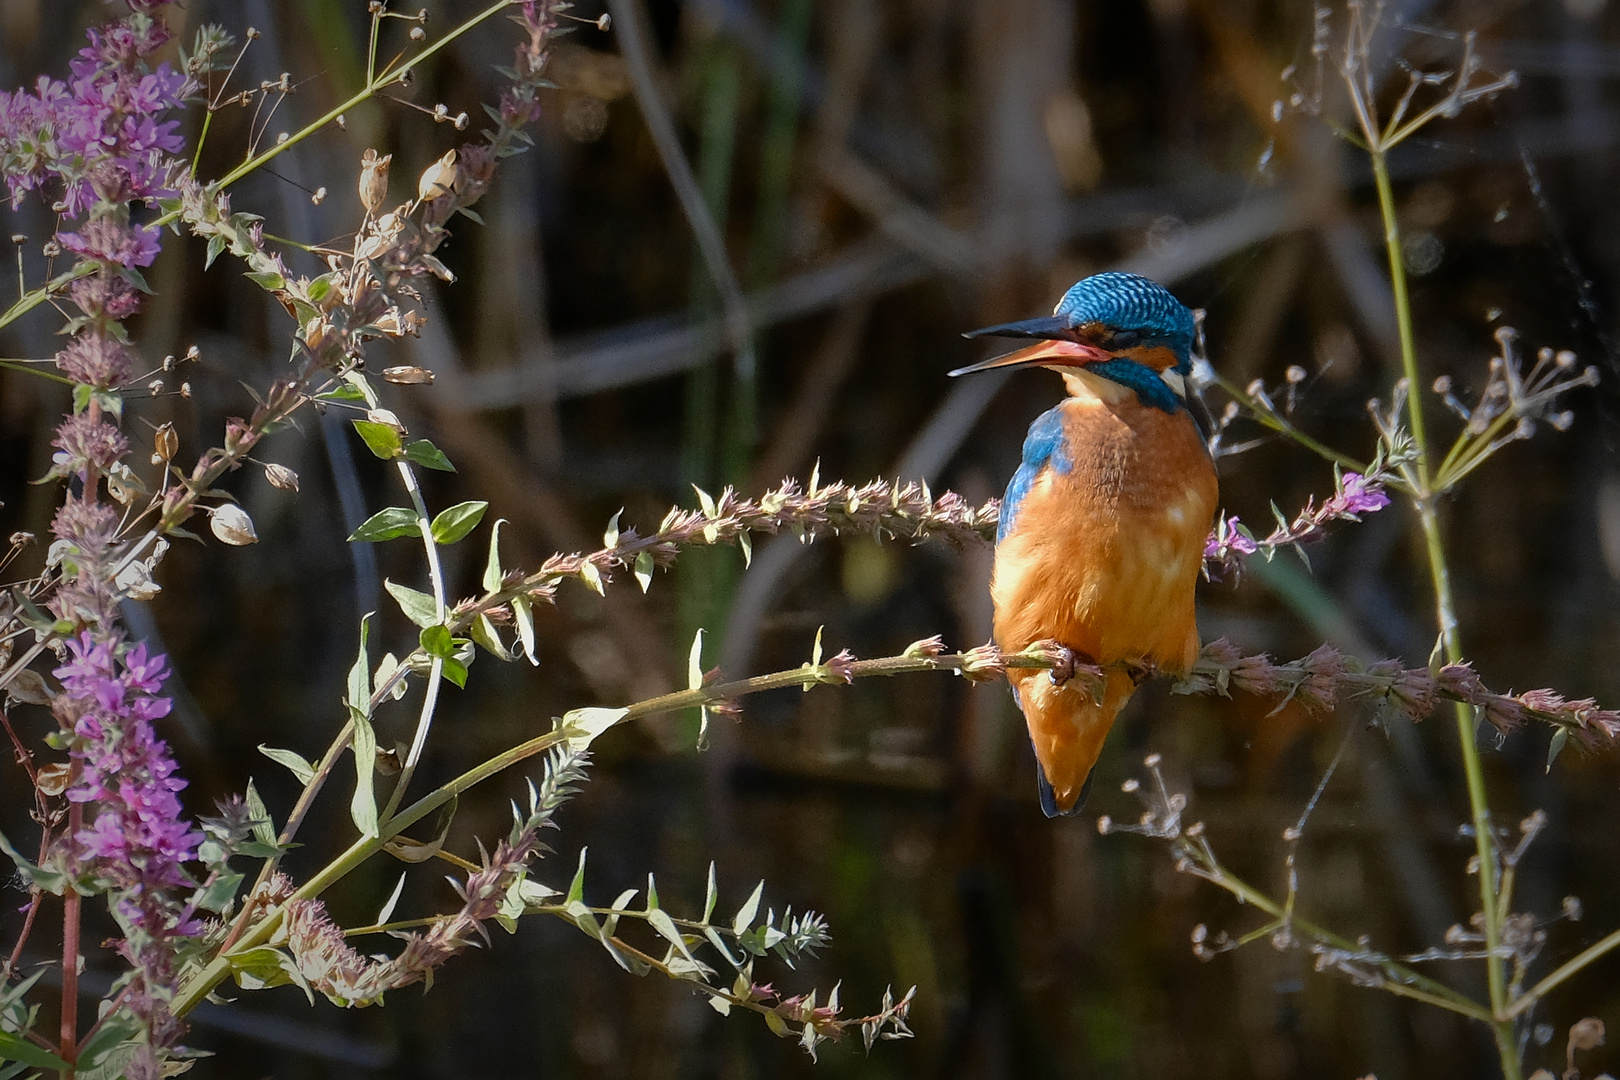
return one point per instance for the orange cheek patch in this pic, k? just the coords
(1157, 357)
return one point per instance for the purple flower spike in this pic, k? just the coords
(138, 841)
(1357, 496)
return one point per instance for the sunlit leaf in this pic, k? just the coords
(423, 453)
(389, 524)
(295, 763)
(492, 566)
(457, 521)
(418, 607)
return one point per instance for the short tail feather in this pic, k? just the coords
(1068, 726)
(1049, 805)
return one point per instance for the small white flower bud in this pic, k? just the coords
(231, 524)
(373, 180)
(437, 179)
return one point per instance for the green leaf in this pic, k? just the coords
(358, 685)
(344, 392)
(1560, 739)
(436, 641)
(425, 454)
(17, 1048)
(484, 634)
(611, 537)
(259, 968)
(746, 913)
(660, 921)
(381, 439)
(745, 540)
(216, 244)
(694, 681)
(457, 521)
(264, 828)
(454, 670)
(694, 662)
(393, 898)
(389, 524)
(294, 762)
(705, 500)
(720, 947)
(220, 892)
(363, 806)
(576, 888)
(112, 1065)
(581, 726)
(592, 577)
(49, 880)
(418, 607)
(266, 279)
(386, 667)
(523, 615)
(711, 895)
(644, 570)
(101, 1045)
(492, 566)
(406, 849)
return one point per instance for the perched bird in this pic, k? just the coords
(1103, 526)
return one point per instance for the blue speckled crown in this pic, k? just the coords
(1130, 302)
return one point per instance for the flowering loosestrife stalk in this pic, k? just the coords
(101, 144)
(138, 844)
(125, 834)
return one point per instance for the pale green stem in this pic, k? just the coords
(1400, 979)
(1446, 616)
(34, 367)
(1281, 426)
(1564, 971)
(430, 699)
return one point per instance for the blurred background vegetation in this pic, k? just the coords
(887, 174)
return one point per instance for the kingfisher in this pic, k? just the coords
(1102, 529)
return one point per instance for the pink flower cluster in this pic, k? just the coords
(139, 842)
(139, 835)
(105, 125)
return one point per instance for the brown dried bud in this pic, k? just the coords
(281, 477)
(165, 443)
(373, 180)
(30, 688)
(437, 179)
(408, 376)
(54, 778)
(1587, 1034)
(21, 539)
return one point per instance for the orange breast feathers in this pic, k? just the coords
(1100, 550)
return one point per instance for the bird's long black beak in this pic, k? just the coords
(1052, 327)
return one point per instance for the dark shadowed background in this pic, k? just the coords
(888, 174)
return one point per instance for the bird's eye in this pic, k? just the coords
(1125, 339)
